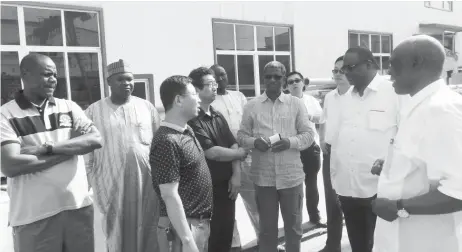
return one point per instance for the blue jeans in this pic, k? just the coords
(169, 240)
(291, 201)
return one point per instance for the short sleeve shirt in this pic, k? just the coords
(213, 130)
(176, 156)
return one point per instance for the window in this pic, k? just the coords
(446, 38)
(244, 48)
(381, 45)
(71, 37)
(440, 5)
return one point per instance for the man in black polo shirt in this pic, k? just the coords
(223, 158)
(179, 171)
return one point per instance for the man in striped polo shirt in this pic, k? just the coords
(42, 140)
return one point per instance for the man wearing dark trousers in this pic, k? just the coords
(223, 158)
(332, 105)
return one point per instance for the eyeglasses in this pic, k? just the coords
(276, 77)
(290, 82)
(190, 94)
(349, 68)
(338, 71)
(212, 84)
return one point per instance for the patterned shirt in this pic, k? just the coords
(286, 116)
(176, 156)
(213, 130)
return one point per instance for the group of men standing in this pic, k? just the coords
(389, 150)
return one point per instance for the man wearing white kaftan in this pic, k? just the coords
(120, 173)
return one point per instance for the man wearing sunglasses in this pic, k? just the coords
(368, 120)
(275, 126)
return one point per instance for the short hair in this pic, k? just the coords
(197, 74)
(364, 54)
(338, 59)
(30, 61)
(275, 64)
(293, 73)
(171, 87)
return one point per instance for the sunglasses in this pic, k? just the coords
(276, 77)
(290, 82)
(349, 68)
(337, 71)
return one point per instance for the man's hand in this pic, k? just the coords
(34, 150)
(242, 153)
(385, 209)
(82, 127)
(234, 185)
(281, 145)
(262, 144)
(323, 146)
(377, 167)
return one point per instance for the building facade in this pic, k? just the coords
(160, 39)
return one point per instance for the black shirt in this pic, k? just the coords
(178, 157)
(213, 130)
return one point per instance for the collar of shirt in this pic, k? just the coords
(282, 97)
(24, 103)
(422, 95)
(202, 113)
(373, 86)
(173, 126)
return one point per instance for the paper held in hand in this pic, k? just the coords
(274, 138)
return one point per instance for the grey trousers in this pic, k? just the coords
(291, 202)
(199, 228)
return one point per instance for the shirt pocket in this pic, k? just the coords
(380, 120)
(144, 131)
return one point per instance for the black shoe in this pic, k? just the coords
(318, 224)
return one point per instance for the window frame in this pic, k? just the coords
(370, 33)
(428, 4)
(23, 49)
(255, 53)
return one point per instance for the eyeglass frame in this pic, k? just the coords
(294, 81)
(350, 68)
(338, 71)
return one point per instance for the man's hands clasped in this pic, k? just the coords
(263, 144)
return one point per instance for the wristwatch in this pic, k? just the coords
(402, 213)
(49, 147)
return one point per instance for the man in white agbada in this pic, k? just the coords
(120, 173)
(419, 199)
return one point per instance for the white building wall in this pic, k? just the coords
(166, 38)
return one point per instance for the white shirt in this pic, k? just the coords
(314, 109)
(331, 113)
(426, 154)
(231, 105)
(366, 126)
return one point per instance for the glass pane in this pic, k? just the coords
(385, 63)
(262, 61)
(375, 43)
(139, 90)
(282, 37)
(247, 90)
(223, 36)
(43, 27)
(227, 62)
(377, 60)
(244, 37)
(285, 60)
(10, 29)
(58, 59)
(265, 38)
(364, 40)
(246, 73)
(84, 75)
(386, 44)
(353, 38)
(11, 80)
(81, 28)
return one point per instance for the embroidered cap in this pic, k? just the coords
(118, 67)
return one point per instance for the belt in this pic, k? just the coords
(206, 216)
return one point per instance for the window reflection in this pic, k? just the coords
(58, 59)
(375, 43)
(223, 36)
(262, 61)
(11, 80)
(282, 38)
(10, 29)
(227, 62)
(285, 60)
(264, 38)
(353, 39)
(244, 38)
(84, 75)
(81, 28)
(246, 74)
(43, 27)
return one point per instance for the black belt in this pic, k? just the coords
(206, 216)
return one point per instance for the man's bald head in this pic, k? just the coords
(32, 61)
(418, 59)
